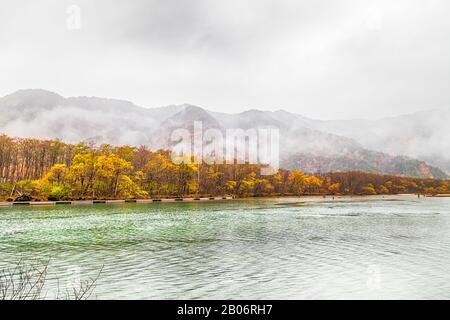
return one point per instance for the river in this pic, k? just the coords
(262, 248)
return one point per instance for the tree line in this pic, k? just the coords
(32, 169)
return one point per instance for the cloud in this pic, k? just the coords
(324, 59)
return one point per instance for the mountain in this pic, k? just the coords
(45, 115)
(183, 119)
(305, 147)
(423, 135)
(305, 144)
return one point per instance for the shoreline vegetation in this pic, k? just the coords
(27, 281)
(36, 171)
(303, 198)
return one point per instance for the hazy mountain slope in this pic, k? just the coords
(423, 135)
(42, 114)
(247, 119)
(362, 160)
(184, 119)
(301, 147)
(305, 144)
(25, 105)
(300, 139)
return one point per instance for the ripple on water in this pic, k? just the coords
(257, 248)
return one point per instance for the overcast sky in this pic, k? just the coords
(323, 59)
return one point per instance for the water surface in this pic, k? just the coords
(277, 248)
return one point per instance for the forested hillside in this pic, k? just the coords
(39, 170)
(305, 144)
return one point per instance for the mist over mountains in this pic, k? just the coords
(414, 145)
(423, 135)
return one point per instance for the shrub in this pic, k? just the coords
(58, 193)
(24, 197)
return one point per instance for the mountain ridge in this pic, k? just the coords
(305, 143)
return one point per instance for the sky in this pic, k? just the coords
(334, 59)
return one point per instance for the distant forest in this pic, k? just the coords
(40, 170)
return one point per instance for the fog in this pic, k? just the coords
(309, 143)
(322, 59)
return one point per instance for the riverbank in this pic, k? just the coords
(288, 198)
(347, 198)
(92, 202)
